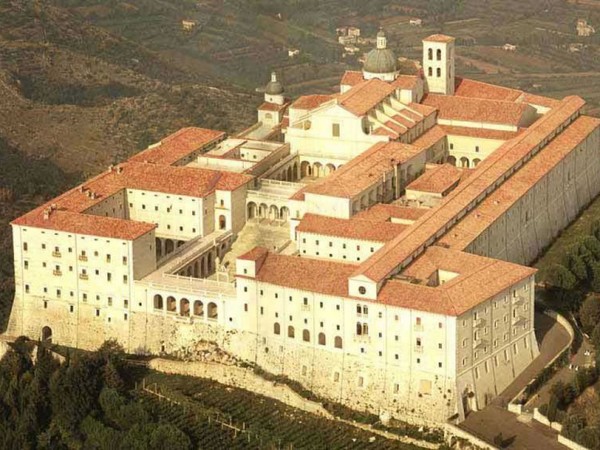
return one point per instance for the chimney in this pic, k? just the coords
(119, 169)
(46, 214)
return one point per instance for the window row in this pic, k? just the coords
(321, 338)
(83, 256)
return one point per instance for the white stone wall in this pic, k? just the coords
(335, 248)
(535, 220)
(495, 343)
(441, 82)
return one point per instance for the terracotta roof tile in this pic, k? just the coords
(439, 38)
(266, 106)
(383, 212)
(482, 133)
(430, 137)
(179, 145)
(538, 100)
(364, 230)
(325, 277)
(500, 201)
(477, 110)
(310, 101)
(363, 171)
(393, 254)
(72, 222)
(437, 180)
(478, 89)
(405, 82)
(363, 97)
(351, 78)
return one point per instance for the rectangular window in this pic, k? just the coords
(335, 130)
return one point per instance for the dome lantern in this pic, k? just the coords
(381, 62)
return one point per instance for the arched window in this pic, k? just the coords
(322, 339)
(158, 302)
(338, 342)
(365, 310)
(171, 304)
(430, 54)
(198, 308)
(365, 329)
(439, 54)
(222, 222)
(184, 307)
(358, 328)
(439, 72)
(213, 313)
(276, 328)
(430, 72)
(306, 336)
(291, 332)
(358, 309)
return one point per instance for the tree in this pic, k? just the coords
(589, 313)
(596, 337)
(593, 245)
(595, 277)
(552, 408)
(442, 10)
(559, 276)
(576, 265)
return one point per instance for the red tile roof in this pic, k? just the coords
(478, 89)
(430, 137)
(179, 145)
(363, 171)
(437, 180)
(439, 38)
(363, 230)
(310, 101)
(383, 212)
(480, 218)
(477, 110)
(493, 169)
(351, 78)
(538, 100)
(325, 277)
(176, 180)
(266, 106)
(405, 82)
(479, 280)
(72, 222)
(363, 97)
(483, 133)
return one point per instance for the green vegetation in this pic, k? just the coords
(270, 423)
(96, 401)
(576, 404)
(80, 403)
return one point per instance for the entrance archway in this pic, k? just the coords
(47, 334)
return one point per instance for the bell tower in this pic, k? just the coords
(438, 64)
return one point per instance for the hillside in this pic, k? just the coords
(240, 41)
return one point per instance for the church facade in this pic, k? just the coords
(412, 205)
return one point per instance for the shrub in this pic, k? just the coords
(560, 277)
(589, 313)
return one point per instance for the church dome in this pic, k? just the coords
(274, 87)
(380, 61)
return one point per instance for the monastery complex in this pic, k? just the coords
(372, 244)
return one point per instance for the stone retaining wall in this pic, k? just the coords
(453, 431)
(241, 378)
